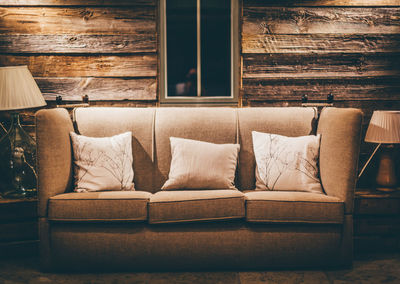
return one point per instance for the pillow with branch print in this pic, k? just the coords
(287, 163)
(103, 163)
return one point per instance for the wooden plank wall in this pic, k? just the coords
(348, 48)
(108, 50)
(104, 49)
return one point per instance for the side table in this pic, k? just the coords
(19, 234)
(376, 221)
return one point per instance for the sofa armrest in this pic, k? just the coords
(340, 131)
(54, 155)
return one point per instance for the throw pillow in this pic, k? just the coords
(103, 163)
(286, 163)
(201, 165)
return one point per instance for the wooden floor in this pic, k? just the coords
(366, 269)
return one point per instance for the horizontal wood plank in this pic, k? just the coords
(378, 244)
(77, 2)
(377, 225)
(367, 106)
(345, 89)
(377, 206)
(320, 43)
(17, 209)
(72, 89)
(86, 66)
(19, 231)
(77, 43)
(86, 20)
(309, 20)
(255, 3)
(320, 66)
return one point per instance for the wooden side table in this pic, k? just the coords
(19, 234)
(376, 221)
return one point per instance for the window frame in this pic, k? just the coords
(235, 59)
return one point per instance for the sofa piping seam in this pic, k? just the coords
(211, 199)
(158, 221)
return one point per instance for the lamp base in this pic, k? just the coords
(17, 162)
(386, 179)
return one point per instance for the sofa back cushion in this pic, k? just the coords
(282, 121)
(104, 122)
(215, 125)
(151, 129)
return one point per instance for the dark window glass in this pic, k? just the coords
(214, 42)
(215, 48)
(182, 47)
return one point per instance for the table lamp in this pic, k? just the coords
(18, 90)
(384, 129)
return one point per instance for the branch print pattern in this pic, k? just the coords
(103, 163)
(287, 163)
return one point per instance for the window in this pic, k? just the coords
(199, 51)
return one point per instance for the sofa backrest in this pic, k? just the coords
(152, 127)
(293, 121)
(215, 125)
(104, 121)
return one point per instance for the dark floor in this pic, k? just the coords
(376, 268)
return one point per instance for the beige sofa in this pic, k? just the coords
(149, 229)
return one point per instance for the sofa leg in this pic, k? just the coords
(347, 245)
(44, 245)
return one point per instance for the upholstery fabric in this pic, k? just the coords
(110, 243)
(109, 121)
(54, 155)
(99, 206)
(293, 207)
(192, 246)
(196, 205)
(214, 125)
(102, 163)
(340, 131)
(287, 163)
(201, 165)
(282, 121)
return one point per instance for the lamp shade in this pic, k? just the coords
(384, 127)
(18, 89)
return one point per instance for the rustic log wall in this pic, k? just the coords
(104, 49)
(108, 50)
(348, 48)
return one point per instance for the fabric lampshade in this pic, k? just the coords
(18, 89)
(384, 127)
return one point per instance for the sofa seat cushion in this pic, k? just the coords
(293, 207)
(195, 205)
(99, 206)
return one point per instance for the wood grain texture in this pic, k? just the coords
(320, 43)
(77, 2)
(344, 89)
(336, 65)
(255, 3)
(72, 89)
(376, 244)
(17, 209)
(378, 226)
(72, 43)
(86, 20)
(19, 231)
(86, 66)
(367, 106)
(309, 20)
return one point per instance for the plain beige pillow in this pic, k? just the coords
(103, 163)
(201, 165)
